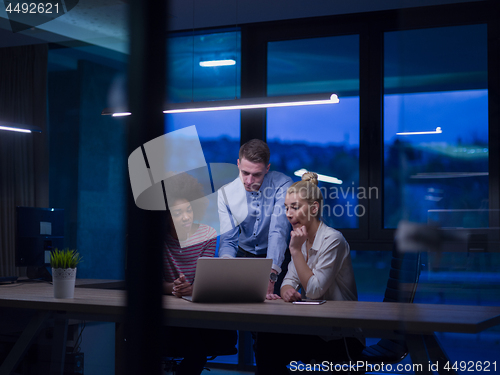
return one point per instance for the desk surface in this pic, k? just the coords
(109, 305)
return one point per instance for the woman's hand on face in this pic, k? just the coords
(297, 238)
(291, 295)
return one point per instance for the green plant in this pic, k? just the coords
(64, 258)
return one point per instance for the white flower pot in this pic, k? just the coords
(63, 280)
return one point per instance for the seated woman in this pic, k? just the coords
(321, 268)
(185, 242)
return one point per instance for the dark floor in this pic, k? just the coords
(465, 350)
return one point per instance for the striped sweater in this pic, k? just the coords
(177, 259)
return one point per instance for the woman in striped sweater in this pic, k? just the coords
(186, 241)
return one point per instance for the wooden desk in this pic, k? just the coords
(416, 322)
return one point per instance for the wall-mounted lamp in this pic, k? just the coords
(437, 131)
(223, 105)
(321, 177)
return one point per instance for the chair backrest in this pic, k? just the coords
(403, 276)
(401, 287)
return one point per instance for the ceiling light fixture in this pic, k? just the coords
(215, 63)
(20, 128)
(437, 131)
(321, 177)
(223, 105)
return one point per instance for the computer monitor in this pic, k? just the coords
(38, 231)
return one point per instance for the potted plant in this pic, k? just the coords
(63, 263)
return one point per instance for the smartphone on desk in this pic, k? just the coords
(310, 302)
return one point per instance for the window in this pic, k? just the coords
(219, 132)
(191, 77)
(435, 122)
(322, 139)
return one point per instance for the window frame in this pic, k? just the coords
(371, 234)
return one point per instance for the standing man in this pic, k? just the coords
(265, 230)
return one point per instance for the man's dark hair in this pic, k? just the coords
(255, 151)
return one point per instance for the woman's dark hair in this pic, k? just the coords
(185, 186)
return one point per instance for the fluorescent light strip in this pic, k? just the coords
(222, 105)
(215, 63)
(333, 100)
(437, 131)
(321, 177)
(15, 129)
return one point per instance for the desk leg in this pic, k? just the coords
(245, 346)
(23, 343)
(418, 354)
(437, 354)
(119, 349)
(59, 345)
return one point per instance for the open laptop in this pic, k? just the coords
(231, 280)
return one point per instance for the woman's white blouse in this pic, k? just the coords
(330, 262)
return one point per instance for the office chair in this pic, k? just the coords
(401, 287)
